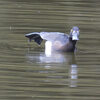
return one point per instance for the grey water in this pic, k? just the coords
(26, 73)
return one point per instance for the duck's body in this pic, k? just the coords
(56, 41)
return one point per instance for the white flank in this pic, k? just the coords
(48, 48)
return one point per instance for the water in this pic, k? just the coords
(26, 73)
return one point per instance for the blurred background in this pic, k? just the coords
(25, 71)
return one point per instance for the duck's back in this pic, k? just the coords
(54, 36)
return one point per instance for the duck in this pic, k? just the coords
(56, 41)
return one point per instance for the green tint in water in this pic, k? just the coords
(26, 73)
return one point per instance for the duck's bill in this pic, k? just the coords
(75, 38)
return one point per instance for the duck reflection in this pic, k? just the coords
(73, 75)
(59, 58)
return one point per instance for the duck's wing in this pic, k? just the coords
(49, 36)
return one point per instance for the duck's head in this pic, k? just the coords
(74, 33)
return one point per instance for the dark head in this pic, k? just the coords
(74, 33)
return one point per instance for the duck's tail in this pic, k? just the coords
(34, 36)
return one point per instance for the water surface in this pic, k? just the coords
(26, 73)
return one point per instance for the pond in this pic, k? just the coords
(26, 73)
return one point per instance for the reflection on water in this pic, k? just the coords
(56, 57)
(73, 75)
(35, 76)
